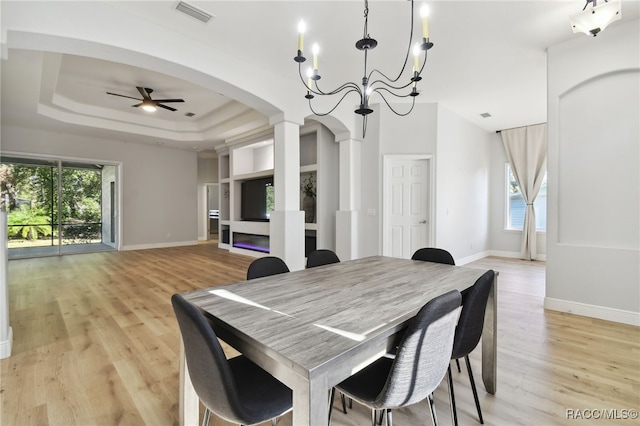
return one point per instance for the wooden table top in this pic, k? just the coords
(305, 319)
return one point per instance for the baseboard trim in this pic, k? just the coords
(593, 311)
(6, 345)
(159, 245)
(514, 255)
(472, 258)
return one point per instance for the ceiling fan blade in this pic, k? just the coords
(122, 96)
(168, 100)
(166, 107)
(143, 92)
(137, 105)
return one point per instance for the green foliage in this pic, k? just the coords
(82, 233)
(81, 190)
(28, 223)
(7, 184)
(308, 186)
(271, 199)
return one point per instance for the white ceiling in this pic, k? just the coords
(489, 57)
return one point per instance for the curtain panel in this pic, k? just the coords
(526, 149)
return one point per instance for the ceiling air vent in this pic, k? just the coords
(189, 114)
(194, 12)
(485, 115)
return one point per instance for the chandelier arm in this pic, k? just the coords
(424, 63)
(390, 86)
(380, 89)
(320, 92)
(413, 103)
(334, 107)
(349, 84)
(406, 58)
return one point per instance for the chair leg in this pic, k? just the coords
(344, 403)
(389, 419)
(274, 421)
(458, 364)
(374, 417)
(452, 398)
(432, 406)
(332, 396)
(381, 419)
(206, 417)
(473, 388)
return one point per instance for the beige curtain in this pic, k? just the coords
(526, 149)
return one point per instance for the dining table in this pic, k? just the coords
(313, 328)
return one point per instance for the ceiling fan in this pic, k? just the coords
(147, 103)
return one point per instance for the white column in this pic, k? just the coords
(6, 334)
(286, 231)
(350, 187)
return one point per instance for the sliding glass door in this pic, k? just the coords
(57, 207)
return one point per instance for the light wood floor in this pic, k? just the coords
(96, 342)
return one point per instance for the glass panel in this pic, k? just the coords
(517, 206)
(29, 189)
(39, 221)
(81, 204)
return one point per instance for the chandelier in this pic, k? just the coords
(373, 81)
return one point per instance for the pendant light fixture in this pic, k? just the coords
(595, 19)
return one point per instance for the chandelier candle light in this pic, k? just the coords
(374, 81)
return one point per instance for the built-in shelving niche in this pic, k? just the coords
(252, 158)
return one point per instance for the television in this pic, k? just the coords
(256, 199)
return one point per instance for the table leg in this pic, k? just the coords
(310, 402)
(189, 410)
(490, 340)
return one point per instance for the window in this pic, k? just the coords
(516, 205)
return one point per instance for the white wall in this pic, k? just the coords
(462, 163)
(389, 134)
(159, 184)
(593, 262)
(327, 188)
(462, 187)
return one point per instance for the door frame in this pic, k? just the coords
(386, 195)
(207, 229)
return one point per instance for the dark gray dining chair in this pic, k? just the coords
(266, 266)
(235, 389)
(433, 254)
(321, 257)
(417, 369)
(469, 331)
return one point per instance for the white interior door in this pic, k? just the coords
(407, 205)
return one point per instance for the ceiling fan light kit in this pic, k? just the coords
(148, 104)
(373, 81)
